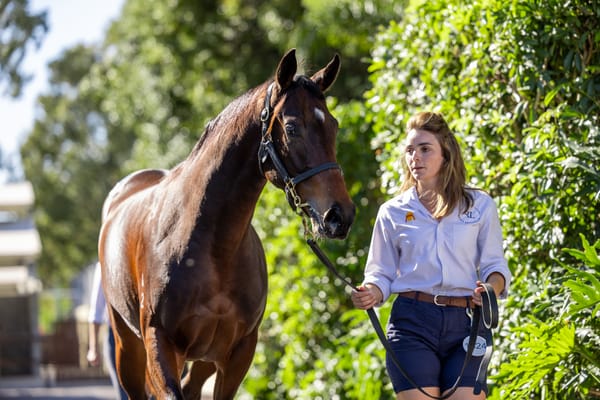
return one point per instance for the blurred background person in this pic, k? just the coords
(97, 317)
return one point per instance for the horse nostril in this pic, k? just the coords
(334, 222)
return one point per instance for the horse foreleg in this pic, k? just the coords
(194, 380)
(232, 372)
(162, 365)
(130, 357)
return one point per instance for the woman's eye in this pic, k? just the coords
(290, 129)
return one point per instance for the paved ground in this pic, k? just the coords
(98, 389)
(67, 390)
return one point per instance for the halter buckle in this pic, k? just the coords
(264, 115)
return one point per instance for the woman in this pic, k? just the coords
(97, 316)
(431, 246)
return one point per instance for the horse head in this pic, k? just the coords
(298, 148)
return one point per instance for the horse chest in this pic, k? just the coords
(205, 292)
(206, 324)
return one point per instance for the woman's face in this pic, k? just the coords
(423, 155)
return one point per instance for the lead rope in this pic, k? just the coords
(490, 322)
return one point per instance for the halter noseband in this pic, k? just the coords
(267, 149)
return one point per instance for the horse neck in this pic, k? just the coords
(220, 179)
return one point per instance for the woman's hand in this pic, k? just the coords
(92, 357)
(496, 280)
(366, 297)
(477, 294)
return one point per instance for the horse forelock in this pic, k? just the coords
(308, 84)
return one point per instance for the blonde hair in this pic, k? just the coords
(452, 176)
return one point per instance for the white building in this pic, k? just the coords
(20, 246)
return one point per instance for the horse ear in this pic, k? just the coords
(286, 69)
(326, 76)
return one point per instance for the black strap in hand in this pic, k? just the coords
(489, 310)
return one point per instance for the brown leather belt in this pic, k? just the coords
(438, 300)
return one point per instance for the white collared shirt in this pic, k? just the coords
(97, 312)
(411, 250)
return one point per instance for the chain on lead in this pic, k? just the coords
(298, 205)
(290, 189)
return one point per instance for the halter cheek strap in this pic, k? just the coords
(267, 150)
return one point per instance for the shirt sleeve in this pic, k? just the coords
(490, 245)
(383, 257)
(97, 302)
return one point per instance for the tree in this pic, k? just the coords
(69, 169)
(19, 28)
(518, 81)
(142, 100)
(560, 354)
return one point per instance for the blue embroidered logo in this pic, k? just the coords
(472, 216)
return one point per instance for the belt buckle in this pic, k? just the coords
(435, 301)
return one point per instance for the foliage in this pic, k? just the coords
(143, 98)
(19, 29)
(65, 161)
(54, 305)
(519, 84)
(304, 350)
(549, 349)
(141, 101)
(518, 81)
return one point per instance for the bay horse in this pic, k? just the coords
(183, 270)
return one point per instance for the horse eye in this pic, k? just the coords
(290, 129)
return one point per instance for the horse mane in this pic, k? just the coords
(238, 113)
(227, 127)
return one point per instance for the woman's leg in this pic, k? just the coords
(413, 333)
(466, 393)
(458, 330)
(110, 362)
(415, 394)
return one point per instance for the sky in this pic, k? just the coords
(70, 22)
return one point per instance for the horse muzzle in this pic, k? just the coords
(335, 223)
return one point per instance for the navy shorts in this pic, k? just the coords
(428, 342)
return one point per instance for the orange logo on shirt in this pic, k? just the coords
(409, 217)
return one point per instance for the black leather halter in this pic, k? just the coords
(267, 150)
